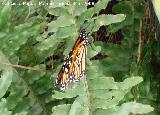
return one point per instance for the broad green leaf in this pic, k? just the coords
(54, 25)
(23, 106)
(59, 11)
(37, 75)
(18, 36)
(107, 94)
(46, 48)
(107, 103)
(139, 8)
(101, 4)
(21, 113)
(80, 6)
(3, 108)
(104, 20)
(126, 109)
(130, 82)
(102, 83)
(134, 107)
(46, 44)
(4, 13)
(69, 44)
(123, 7)
(26, 97)
(107, 20)
(116, 57)
(61, 109)
(72, 91)
(6, 74)
(65, 7)
(66, 32)
(79, 106)
(93, 50)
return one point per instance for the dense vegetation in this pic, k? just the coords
(123, 57)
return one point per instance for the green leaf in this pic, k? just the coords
(126, 109)
(109, 19)
(139, 8)
(21, 113)
(72, 91)
(17, 36)
(130, 82)
(102, 83)
(54, 25)
(93, 50)
(26, 97)
(79, 106)
(80, 9)
(6, 74)
(4, 14)
(104, 20)
(117, 58)
(66, 32)
(123, 7)
(58, 11)
(75, 8)
(101, 4)
(3, 107)
(61, 109)
(137, 108)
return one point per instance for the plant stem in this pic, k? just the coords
(88, 95)
(140, 44)
(23, 67)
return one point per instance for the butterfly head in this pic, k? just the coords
(83, 35)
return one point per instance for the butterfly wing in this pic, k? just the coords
(79, 63)
(73, 68)
(62, 79)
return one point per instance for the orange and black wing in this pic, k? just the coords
(73, 68)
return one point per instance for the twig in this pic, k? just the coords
(140, 44)
(23, 67)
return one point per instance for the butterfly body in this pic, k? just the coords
(73, 68)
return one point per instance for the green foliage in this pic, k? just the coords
(97, 94)
(117, 58)
(24, 40)
(4, 14)
(133, 10)
(6, 74)
(3, 107)
(61, 109)
(130, 28)
(127, 108)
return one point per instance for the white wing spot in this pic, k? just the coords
(66, 70)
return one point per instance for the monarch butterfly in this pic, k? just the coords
(73, 68)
